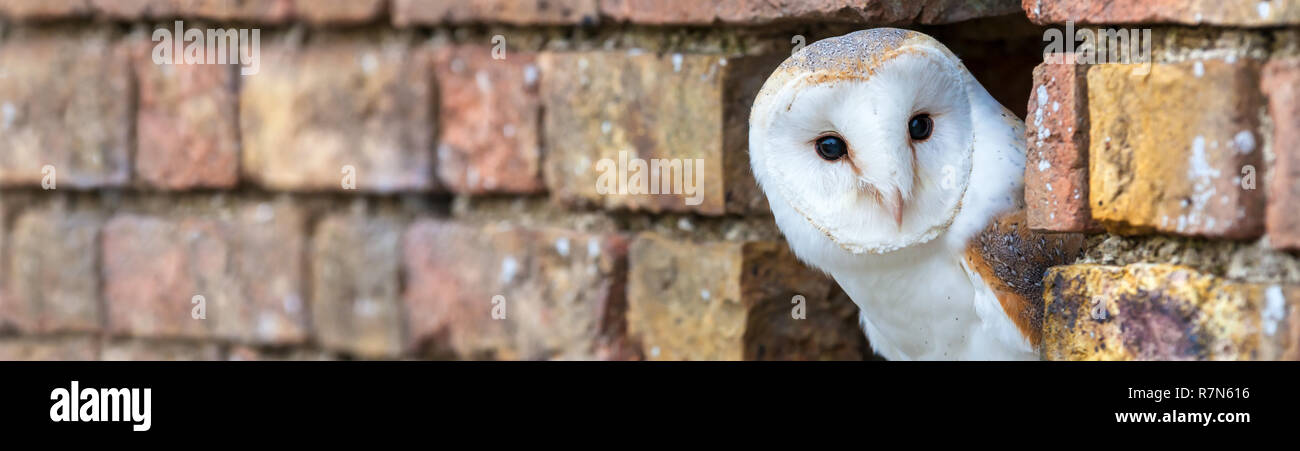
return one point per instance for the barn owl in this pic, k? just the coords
(890, 168)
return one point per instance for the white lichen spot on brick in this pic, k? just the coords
(685, 224)
(1264, 10)
(1042, 99)
(1043, 164)
(593, 248)
(509, 268)
(1274, 309)
(369, 62)
(584, 163)
(1245, 141)
(444, 152)
(1056, 106)
(606, 127)
(1201, 174)
(7, 114)
(562, 246)
(1198, 69)
(677, 62)
(705, 295)
(267, 326)
(530, 75)
(365, 307)
(264, 213)
(483, 81)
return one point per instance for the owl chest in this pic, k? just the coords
(920, 310)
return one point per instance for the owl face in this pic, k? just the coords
(865, 139)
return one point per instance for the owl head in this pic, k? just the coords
(864, 141)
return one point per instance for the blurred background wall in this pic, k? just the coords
(418, 179)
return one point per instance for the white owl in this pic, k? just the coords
(889, 167)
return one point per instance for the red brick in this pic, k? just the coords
(153, 268)
(1056, 129)
(1165, 156)
(248, 270)
(489, 118)
(755, 12)
(261, 11)
(53, 273)
(563, 292)
(37, 10)
(33, 349)
(608, 107)
(1281, 82)
(734, 301)
(65, 101)
(518, 12)
(340, 11)
(355, 305)
(186, 130)
(341, 100)
(1191, 12)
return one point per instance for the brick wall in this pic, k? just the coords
(1183, 172)
(388, 182)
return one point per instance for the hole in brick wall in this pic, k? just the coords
(1000, 52)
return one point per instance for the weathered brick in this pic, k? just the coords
(1166, 157)
(247, 353)
(754, 12)
(262, 11)
(1166, 312)
(1056, 173)
(606, 109)
(340, 101)
(489, 117)
(340, 11)
(248, 269)
(53, 273)
(4, 264)
(186, 127)
(562, 292)
(1191, 12)
(1281, 82)
(65, 102)
(271, 245)
(733, 301)
(56, 348)
(518, 12)
(158, 350)
(154, 267)
(37, 10)
(355, 276)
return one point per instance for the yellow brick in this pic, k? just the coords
(1165, 156)
(1166, 312)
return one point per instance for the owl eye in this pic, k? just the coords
(920, 127)
(831, 148)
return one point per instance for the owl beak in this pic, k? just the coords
(896, 207)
